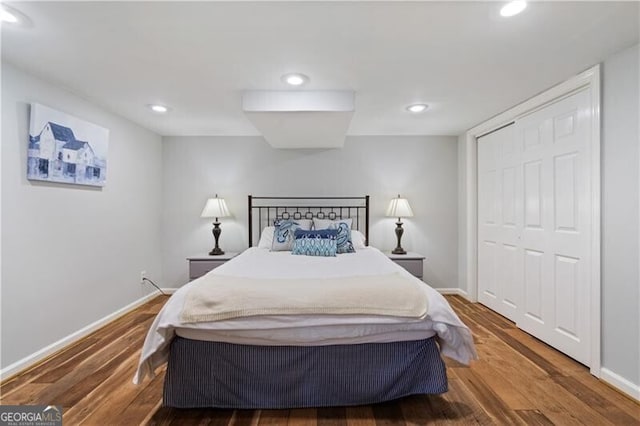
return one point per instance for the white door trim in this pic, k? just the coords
(589, 78)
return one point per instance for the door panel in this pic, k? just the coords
(488, 209)
(563, 125)
(533, 284)
(509, 275)
(487, 274)
(565, 196)
(532, 195)
(567, 287)
(509, 196)
(531, 138)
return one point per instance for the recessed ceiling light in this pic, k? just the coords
(295, 79)
(7, 16)
(513, 8)
(13, 17)
(161, 109)
(417, 107)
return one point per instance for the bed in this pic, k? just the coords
(269, 329)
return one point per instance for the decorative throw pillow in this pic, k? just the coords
(315, 233)
(315, 243)
(344, 243)
(283, 233)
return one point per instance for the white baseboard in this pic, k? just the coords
(28, 361)
(169, 290)
(452, 290)
(620, 383)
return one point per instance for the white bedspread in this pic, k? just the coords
(308, 330)
(219, 297)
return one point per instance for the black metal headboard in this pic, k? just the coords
(263, 211)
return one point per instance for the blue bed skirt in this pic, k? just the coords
(224, 375)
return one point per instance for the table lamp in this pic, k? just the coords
(399, 207)
(217, 208)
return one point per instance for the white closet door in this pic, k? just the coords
(499, 222)
(556, 235)
(534, 223)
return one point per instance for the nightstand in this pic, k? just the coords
(200, 265)
(412, 262)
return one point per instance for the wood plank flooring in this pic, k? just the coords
(518, 380)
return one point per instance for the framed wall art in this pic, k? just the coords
(66, 149)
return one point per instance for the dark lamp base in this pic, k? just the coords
(399, 231)
(216, 251)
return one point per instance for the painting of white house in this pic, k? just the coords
(66, 149)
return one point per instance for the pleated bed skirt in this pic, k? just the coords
(224, 375)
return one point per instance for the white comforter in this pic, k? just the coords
(307, 330)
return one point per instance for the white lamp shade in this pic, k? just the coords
(399, 207)
(215, 207)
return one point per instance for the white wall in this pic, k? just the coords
(423, 169)
(620, 216)
(55, 282)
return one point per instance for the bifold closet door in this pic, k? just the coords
(499, 222)
(534, 223)
(556, 236)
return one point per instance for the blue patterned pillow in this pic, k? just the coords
(344, 232)
(315, 243)
(283, 234)
(316, 233)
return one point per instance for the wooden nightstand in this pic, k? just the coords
(412, 262)
(200, 265)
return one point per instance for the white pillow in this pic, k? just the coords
(357, 239)
(325, 223)
(266, 238)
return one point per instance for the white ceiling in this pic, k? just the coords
(199, 57)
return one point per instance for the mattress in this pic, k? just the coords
(310, 336)
(453, 336)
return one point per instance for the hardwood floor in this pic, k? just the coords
(518, 380)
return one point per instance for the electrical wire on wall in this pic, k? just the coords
(154, 284)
